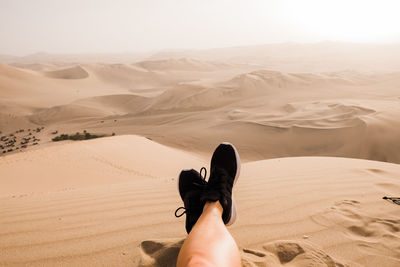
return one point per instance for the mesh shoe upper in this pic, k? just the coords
(191, 186)
(225, 168)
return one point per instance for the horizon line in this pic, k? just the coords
(154, 51)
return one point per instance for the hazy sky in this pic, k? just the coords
(75, 26)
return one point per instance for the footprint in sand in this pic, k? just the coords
(372, 232)
(157, 253)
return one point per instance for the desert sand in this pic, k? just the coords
(318, 139)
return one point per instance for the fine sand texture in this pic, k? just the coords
(316, 125)
(110, 202)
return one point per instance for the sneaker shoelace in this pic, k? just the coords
(395, 200)
(200, 185)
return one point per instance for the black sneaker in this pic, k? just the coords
(225, 169)
(191, 186)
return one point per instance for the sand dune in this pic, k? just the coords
(53, 66)
(76, 72)
(103, 155)
(102, 202)
(29, 86)
(32, 88)
(297, 57)
(269, 113)
(337, 122)
(41, 57)
(129, 103)
(289, 57)
(12, 72)
(69, 112)
(182, 64)
(90, 108)
(316, 127)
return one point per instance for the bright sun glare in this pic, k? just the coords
(347, 20)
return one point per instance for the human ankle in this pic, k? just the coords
(213, 207)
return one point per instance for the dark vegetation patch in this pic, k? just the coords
(19, 140)
(77, 136)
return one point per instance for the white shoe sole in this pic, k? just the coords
(233, 208)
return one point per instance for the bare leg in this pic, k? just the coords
(209, 243)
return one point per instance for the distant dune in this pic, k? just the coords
(293, 114)
(297, 57)
(43, 57)
(49, 66)
(76, 72)
(288, 57)
(8, 58)
(182, 64)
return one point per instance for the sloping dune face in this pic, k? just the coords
(110, 202)
(95, 161)
(316, 114)
(30, 88)
(76, 72)
(96, 107)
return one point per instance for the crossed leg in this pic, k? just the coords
(209, 243)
